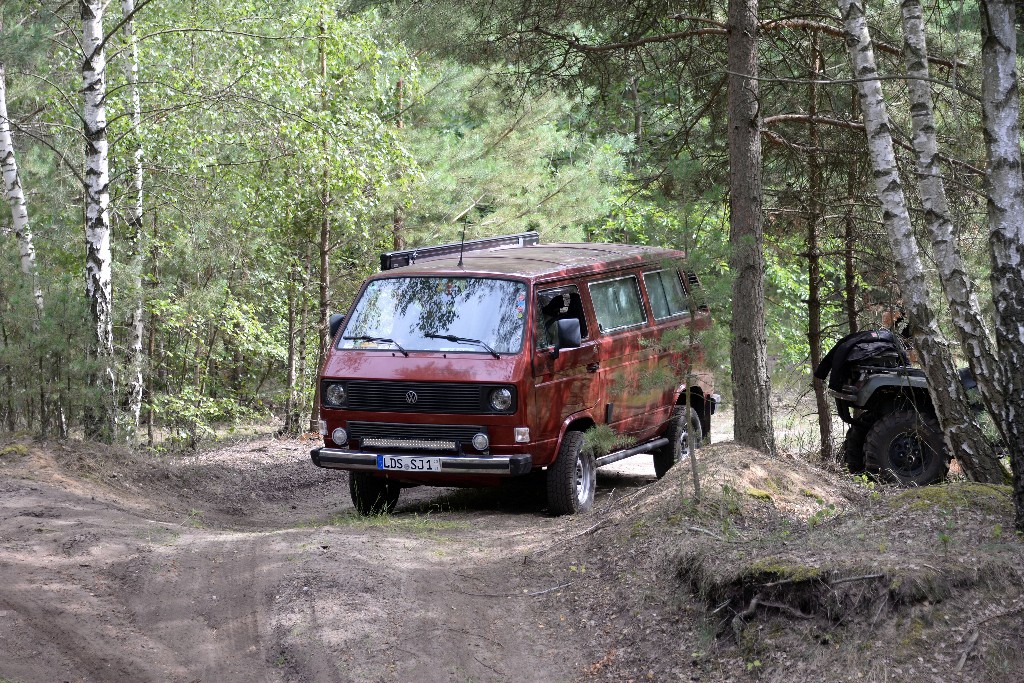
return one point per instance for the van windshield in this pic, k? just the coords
(410, 313)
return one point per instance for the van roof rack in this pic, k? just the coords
(397, 259)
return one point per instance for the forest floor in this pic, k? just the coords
(248, 563)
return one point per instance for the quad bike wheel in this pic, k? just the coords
(906, 448)
(852, 454)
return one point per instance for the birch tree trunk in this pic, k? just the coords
(325, 243)
(1001, 117)
(100, 421)
(749, 348)
(136, 360)
(962, 435)
(956, 283)
(16, 197)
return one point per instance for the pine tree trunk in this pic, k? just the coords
(963, 436)
(849, 236)
(814, 257)
(100, 420)
(1001, 117)
(136, 360)
(16, 197)
(749, 349)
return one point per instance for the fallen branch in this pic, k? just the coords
(738, 620)
(705, 531)
(849, 579)
(792, 611)
(998, 615)
(519, 595)
(967, 650)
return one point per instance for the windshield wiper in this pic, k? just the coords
(389, 340)
(465, 340)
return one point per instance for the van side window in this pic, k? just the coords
(557, 304)
(617, 303)
(666, 294)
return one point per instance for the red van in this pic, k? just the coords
(464, 364)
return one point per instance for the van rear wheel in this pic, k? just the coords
(572, 478)
(678, 446)
(372, 495)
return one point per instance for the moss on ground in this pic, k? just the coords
(992, 498)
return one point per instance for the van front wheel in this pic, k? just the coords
(678, 446)
(372, 495)
(572, 478)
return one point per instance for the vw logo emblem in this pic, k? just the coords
(411, 397)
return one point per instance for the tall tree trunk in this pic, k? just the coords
(9, 414)
(962, 435)
(100, 421)
(136, 360)
(152, 281)
(814, 255)
(1001, 117)
(971, 328)
(325, 243)
(16, 197)
(303, 334)
(290, 422)
(749, 349)
(398, 217)
(849, 232)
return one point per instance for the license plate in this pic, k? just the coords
(408, 463)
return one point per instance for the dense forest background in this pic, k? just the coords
(259, 155)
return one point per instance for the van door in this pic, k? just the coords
(567, 384)
(629, 370)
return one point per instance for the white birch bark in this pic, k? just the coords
(16, 197)
(962, 436)
(133, 392)
(98, 288)
(971, 327)
(1001, 117)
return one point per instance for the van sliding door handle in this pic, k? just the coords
(593, 367)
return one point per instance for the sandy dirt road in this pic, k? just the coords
(249, 564)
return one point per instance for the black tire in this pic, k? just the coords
(906, 448)
(851, 456)
(373, 495)
(678, 447)
(572, 478)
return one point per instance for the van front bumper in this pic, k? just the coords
(343, 459)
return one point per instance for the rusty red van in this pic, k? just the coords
(466, 364)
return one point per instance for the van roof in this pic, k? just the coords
(537, 261)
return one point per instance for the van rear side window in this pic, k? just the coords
(666, 294)
(617, 303)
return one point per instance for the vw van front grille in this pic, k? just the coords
(417, 397)
(387, 435)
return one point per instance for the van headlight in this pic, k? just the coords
(501, 399)
(334, 395)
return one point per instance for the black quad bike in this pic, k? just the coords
(893, 430)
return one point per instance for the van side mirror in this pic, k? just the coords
(568, 335)
(334, 322)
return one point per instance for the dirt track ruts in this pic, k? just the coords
(248, 564)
